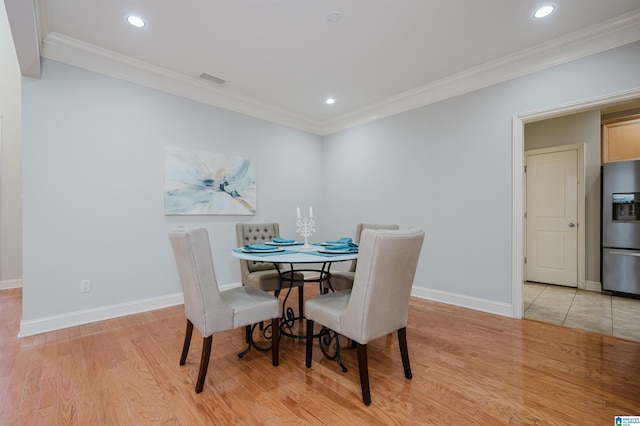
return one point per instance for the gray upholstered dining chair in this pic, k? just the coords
(264, 275)
(211, 310)
(342, 280)
(378, 303)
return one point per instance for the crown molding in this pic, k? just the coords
(607, 35)
(74, 52)
(613, 33)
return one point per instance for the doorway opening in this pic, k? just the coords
(517, 176)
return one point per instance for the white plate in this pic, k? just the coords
(273, 250)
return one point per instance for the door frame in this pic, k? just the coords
(517, 179)
(581, 248)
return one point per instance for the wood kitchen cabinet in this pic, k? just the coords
(621, 139)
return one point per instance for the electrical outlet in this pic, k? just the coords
(85, 286)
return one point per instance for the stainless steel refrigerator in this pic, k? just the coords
(621, 227)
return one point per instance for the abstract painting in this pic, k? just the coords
(200, 183)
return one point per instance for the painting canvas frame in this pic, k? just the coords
(208, 183)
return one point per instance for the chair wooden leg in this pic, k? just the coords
(309, 343)
(204, 362)
(187, 342)
(404, 351)
(275, 341)
(247, 334)
(301, 301)
(364, 372)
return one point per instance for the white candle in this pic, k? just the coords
(310, 211)
(298, 212)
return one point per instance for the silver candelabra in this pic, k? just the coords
(305, 229)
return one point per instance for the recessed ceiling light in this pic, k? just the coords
(545, 10)
(330, 101)
(135, 21)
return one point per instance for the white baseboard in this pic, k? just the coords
(72, 319)
(489, 306)
(593, 286)
(7, 284)
(229, 286)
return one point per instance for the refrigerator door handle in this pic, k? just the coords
(625, 253)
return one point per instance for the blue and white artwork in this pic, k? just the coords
(198, 182)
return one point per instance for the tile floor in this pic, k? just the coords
(587, 310)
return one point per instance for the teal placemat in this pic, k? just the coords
(319, 253)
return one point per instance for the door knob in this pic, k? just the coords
(571, 225)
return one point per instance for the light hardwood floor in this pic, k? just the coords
(468, 367)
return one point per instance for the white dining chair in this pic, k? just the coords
(211, 310)
(265, 275)
(378, 303)
(342, 280)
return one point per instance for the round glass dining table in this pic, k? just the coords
(315, 262)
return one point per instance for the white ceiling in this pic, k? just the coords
(282, 58)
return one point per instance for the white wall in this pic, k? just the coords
(93, 151)
(432, 168)
(577, 128)
(93, 181)
(11, 160)
(446, 168)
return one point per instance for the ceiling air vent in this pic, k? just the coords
(212, 79)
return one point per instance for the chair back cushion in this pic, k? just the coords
(361, 226)
(379, 302)
(256, 233)
(359, 229)
(203, 305)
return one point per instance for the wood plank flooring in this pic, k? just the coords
(468, 367)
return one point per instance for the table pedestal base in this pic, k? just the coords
(267, 333)
(326, 337)
(289, 318)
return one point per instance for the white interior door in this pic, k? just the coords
(552, 218)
